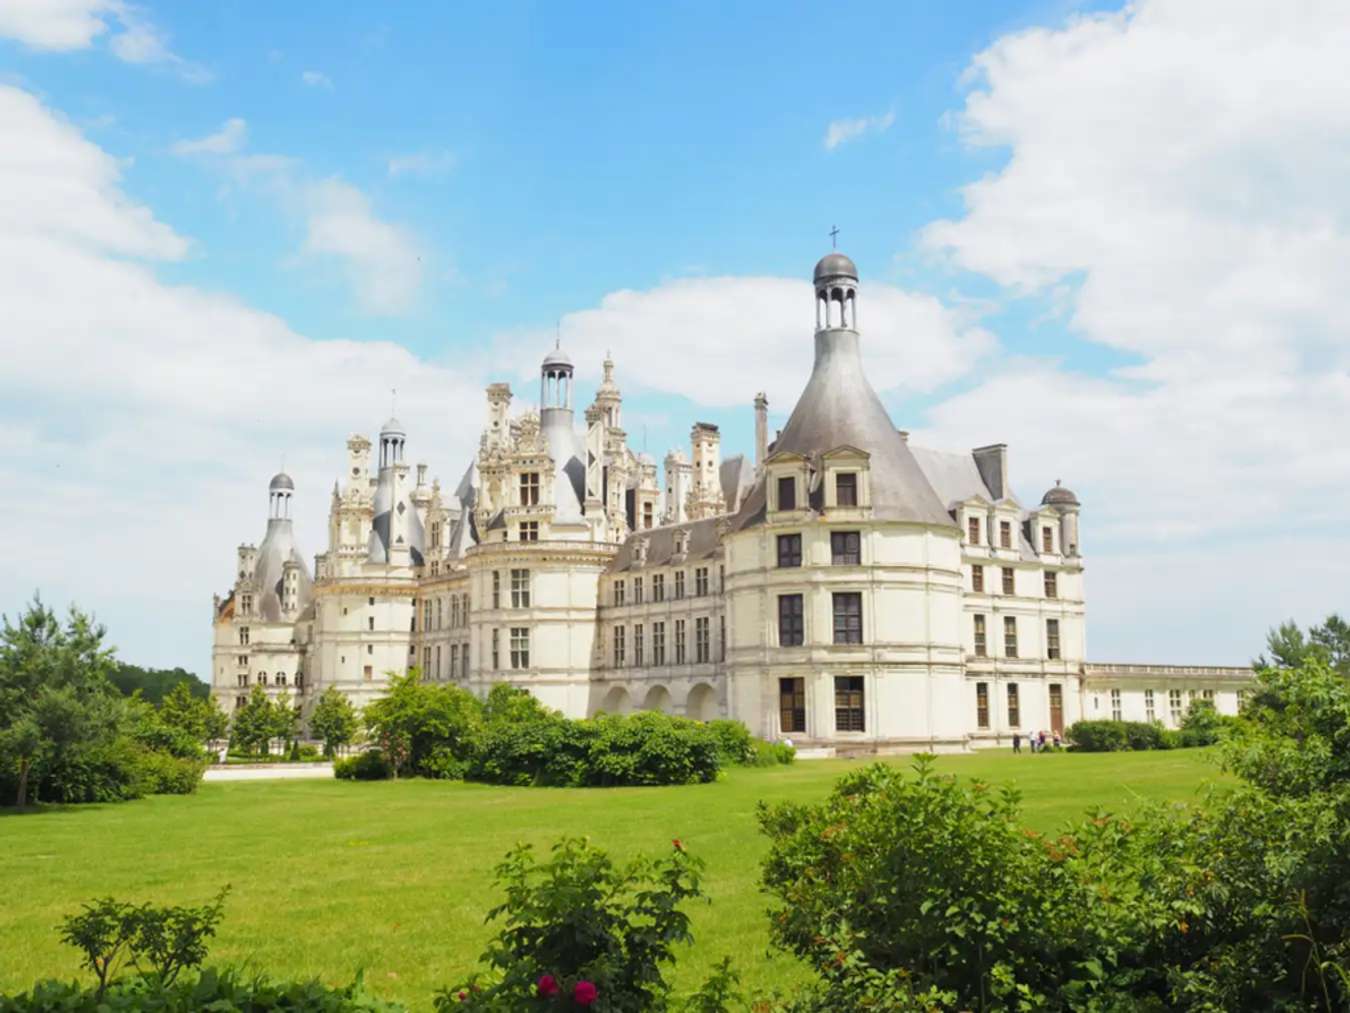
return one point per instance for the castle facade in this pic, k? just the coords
(845, 589)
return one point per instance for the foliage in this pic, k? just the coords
(196, 717)
(1115, 736)
(368, 766)
(334, 721)
(211, 989)
(1203, 725)
(581, 932)
(160, 942)
(771, 754)
(1328, 643)
(155, 684)
(422, 728)
(252, 724)
(734, 742)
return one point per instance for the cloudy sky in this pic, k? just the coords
(1115, 239)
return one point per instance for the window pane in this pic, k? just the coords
(787, 493)
(792, 705)
(848, 617)
(846, 489)
(789, 550)
(848, 704)
(845, 548)
(791, 631)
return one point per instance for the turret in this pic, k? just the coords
(705, 494)
(679, 475)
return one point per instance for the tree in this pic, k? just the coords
(334, 720)
(196, 716)
(253, 722)
(423, 729)
(155, 684)
(285, 718)
(1289, 647)
(55, 698)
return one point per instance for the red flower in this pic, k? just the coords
(584, 994)
(546, 986)
(679, 844)
(463, 997)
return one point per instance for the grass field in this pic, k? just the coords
(328, 877)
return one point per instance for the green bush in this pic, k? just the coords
(735, 745)
(367, 766)
(162, 774)
(1097, 736)
(771, 754)
(1203, 725)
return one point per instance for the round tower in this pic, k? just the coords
(555, 388)
(279, 492)
(392, 438)
(836, 280)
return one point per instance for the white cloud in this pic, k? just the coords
(140, 420)
(316, 79)
(65, 25)
(380, 261)
(1175, 182)
(429, 164)
(719, 340)
(842, 131)
(225, 141)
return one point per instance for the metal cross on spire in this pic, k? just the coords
(834, 241)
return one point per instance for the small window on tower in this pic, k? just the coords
(846, 489)
(529, 531)
(529, 488)
(787, 493)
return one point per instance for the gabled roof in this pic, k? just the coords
(703, 544)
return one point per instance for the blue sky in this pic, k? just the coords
(1097, 235)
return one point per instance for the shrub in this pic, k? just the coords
(579, 931)
(1203, 725)
(367, 766)
(1098, 736)
(163, 774)
(651, 748)
(416, 721)
(771, 754)
(734, 742)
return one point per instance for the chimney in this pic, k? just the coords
(761, 431)
(992, 461)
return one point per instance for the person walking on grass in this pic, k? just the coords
(1017, 742)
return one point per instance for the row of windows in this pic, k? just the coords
(279, 679)
(678, 587)
(1014, 705)
(845, 549)
(436, 612)
(846, 612)
(849, 711)
(1050, 581)
(1175, 706)
(658, 656)
(457, 655)
(974, 527)
(1010, 649)
(517, 647)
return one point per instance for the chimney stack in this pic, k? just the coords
(761, 431)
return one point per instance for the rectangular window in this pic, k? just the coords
(791, 632)
(789, 550)
(496, 591)
(454, 661)
(435, 534)
(722, 637)
(679, 584)
(1047, 539)
(1150, 713)
(648, 515)
(1008, 586)
(619, 586)
(1052, 639)
(848, 704)
(464, 660)
(845, 548)
(846, 489)
(243, 636)
(637, 590)
(981, 638)
(619, 659)
(1005, 534)
(1174, 705)
(679, 641)
(1010, 636)
(367, 672)
(658, 643)
(529, 488)
(982, 705)
(520, 589)
(245, 604)
(529, 531)
(520, 647)
(1014, 707)
(977, 579)
(637, 644)
(1115, 705)
(787, 493)
(848, 617)
(792, 705)
(702, 649)
(496, 650)
(370, 623)
(440, 612)
(658, 587)
(701, 581)
(973, 530)
(1051, 584)
(438, 661)
(426, 614)
(426, 662)
(1208, 694)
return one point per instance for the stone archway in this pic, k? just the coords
(617, 701)
(701, 704)
(657, 699)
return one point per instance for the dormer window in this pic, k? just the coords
(973, 530)
(1005, 534)
(1047, 539)
(787, 493)
(846, 489)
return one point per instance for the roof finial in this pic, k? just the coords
(393, 401)
(557, 334)
(834, 237)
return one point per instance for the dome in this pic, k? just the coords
(393, 428)
(835, 265)
(557, 357)
(281, 482)
(1059, 496)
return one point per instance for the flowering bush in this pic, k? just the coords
(581, 933)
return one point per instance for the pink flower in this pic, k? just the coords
(584, 994)
(546, 986)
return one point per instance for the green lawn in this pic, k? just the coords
(328, 877)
